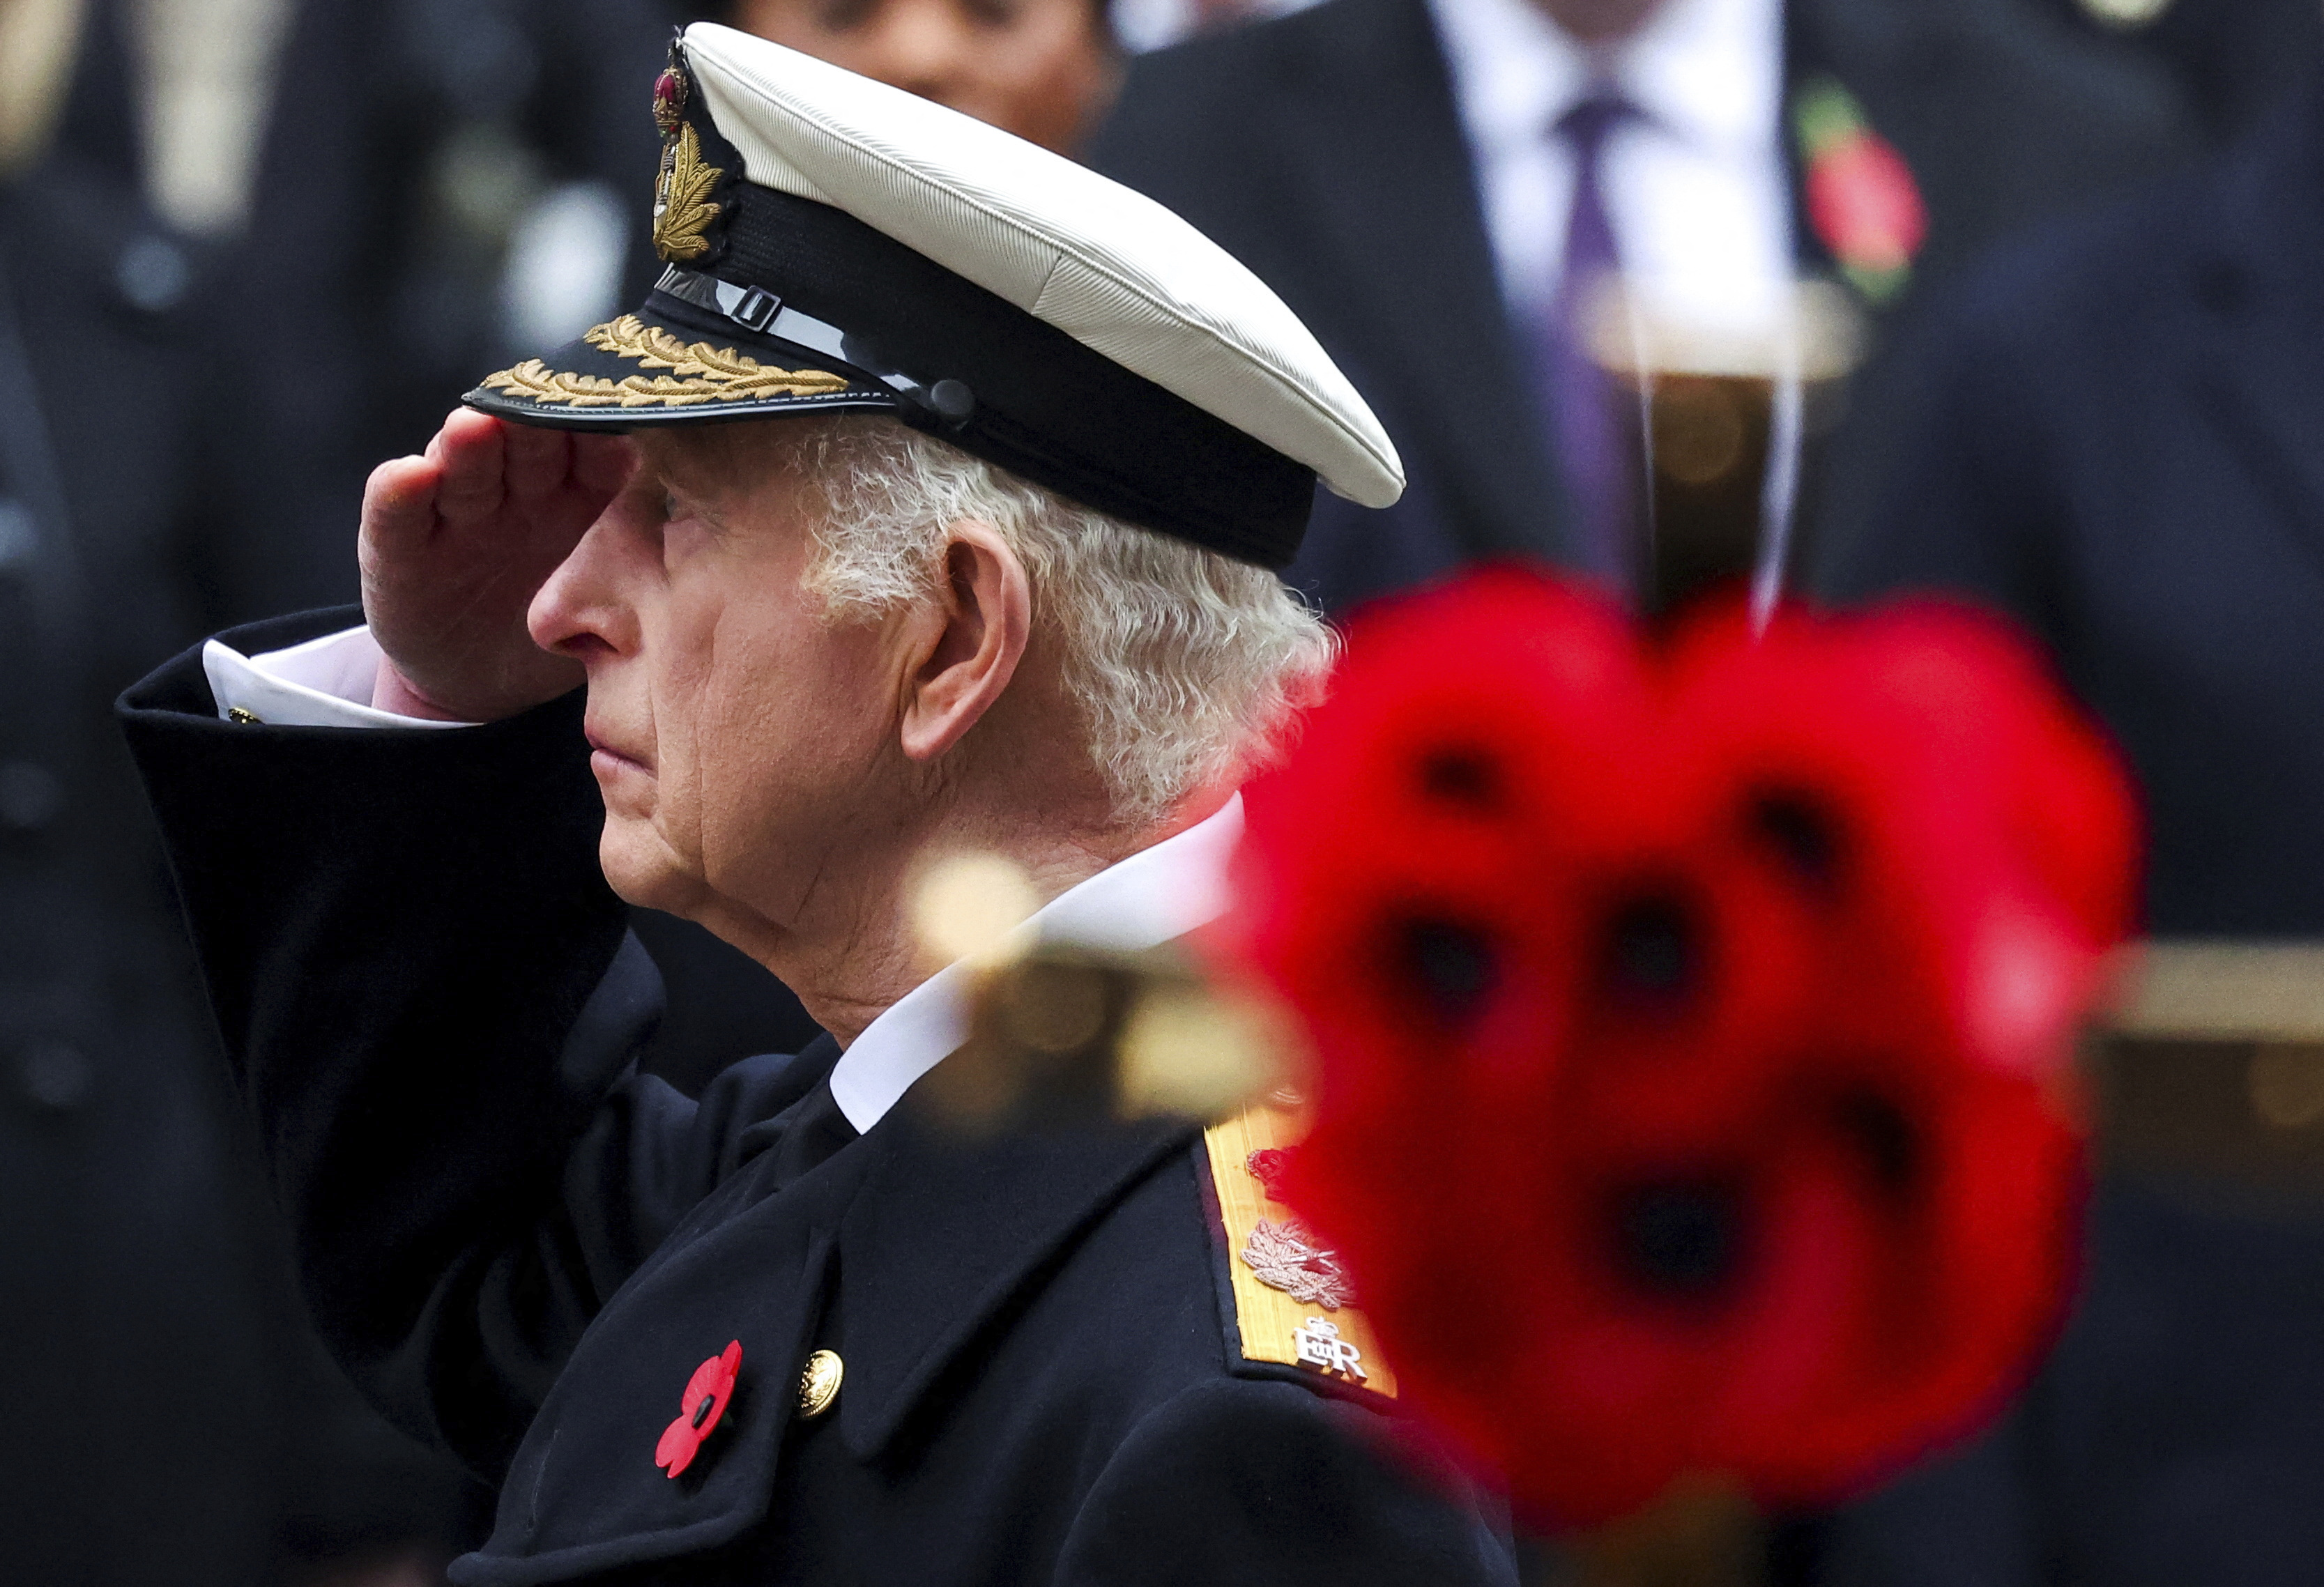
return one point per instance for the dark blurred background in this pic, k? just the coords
(248, 248)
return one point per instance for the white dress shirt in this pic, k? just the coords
(1696, 187)
(1150, 898)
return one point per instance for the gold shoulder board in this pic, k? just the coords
(1294, 1303)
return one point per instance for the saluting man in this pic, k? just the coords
(931, 502)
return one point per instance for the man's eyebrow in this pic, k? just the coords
(688, 467)
(673, 472)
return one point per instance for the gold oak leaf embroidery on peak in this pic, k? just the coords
(698, 373)
(682, 208)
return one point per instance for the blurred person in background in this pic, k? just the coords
(2115, 439)
(170, 1419)
(416, 180)
(1044, 69)
(1423, 180)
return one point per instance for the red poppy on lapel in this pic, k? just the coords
(699, 1409)
(1693, 1026)
(1860, 194)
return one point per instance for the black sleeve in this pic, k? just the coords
(1257, 1483)
(429, 999)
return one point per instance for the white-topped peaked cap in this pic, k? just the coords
(1110, 267)
(835, 245)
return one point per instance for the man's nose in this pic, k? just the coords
(577, 612)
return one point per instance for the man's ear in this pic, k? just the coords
(963, 649)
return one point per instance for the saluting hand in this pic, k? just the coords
(453, 545)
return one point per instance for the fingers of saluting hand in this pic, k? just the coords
(538, 463)
(473, 452)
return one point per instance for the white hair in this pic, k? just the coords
(1189, 666)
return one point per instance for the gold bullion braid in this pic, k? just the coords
(699, 373)
(682, 208)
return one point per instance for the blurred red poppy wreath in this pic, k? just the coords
(1693, 1021)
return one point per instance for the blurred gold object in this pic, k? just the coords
(1728, 408)
(2224, 991)
(2210, 1066)
(209, 69)
(970, 906)
(1702, 424)
(1050, 1008)
(1812, 331)
(1058, 1032)
(1190, 1050)
(2287, 1086)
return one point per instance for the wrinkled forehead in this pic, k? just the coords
(751, 457)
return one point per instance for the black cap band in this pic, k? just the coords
(903, 334)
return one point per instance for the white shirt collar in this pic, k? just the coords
(1707, 71)
(1149, 899)
(1696, 187)
(1513, 71)
(1710, 72)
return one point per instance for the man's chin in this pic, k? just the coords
(641, 869)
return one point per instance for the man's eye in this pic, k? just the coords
(670, 510)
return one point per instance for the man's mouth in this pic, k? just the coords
(601, 747)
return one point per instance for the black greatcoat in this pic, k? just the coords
(522, 1247)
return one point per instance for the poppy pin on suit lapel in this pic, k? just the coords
(1861, 196)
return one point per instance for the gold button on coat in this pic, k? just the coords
(819, 1383)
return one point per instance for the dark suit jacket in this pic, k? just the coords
(523, 1248)
(2236, 59)
(1326, 152)
(2118, 441)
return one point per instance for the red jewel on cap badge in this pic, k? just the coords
(706, 1394)
(670, 93)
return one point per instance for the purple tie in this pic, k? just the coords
(1593, 426)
